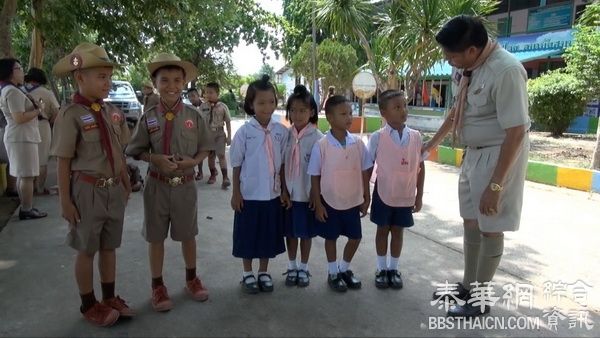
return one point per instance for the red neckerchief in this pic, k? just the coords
(212, 105)
(96, 108)
(169, 114)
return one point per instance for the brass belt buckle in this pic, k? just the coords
(110, 182)
(101, 183)
(175, 181)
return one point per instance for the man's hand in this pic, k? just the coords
(185, 162)
(490, 201)
(164, 163)
(70, 213)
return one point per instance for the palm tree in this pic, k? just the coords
(401, 38)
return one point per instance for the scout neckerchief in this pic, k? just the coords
(463, 86)
(294, 167)
(31, 87)
(169, 115)
(96, 108)
(212, 106)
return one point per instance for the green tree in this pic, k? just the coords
(266, 69)
(336, 63)
(403, 37)
(555, 99)
(583, 60)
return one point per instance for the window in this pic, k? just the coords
(516, 5)
(504, 26)
(552, 2)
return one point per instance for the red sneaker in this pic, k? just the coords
(195, 289)
(160, 299)
(101, 315)
(119, 304)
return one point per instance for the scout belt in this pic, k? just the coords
(98, 182)
(172, 181)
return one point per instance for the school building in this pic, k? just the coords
(536, 32)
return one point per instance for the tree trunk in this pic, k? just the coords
(9, 10)
(36, 55)
(371, 58)
(596, 157)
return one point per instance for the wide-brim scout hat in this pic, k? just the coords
(169, 59)
(85, 55)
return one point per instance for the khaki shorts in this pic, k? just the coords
(476, 171)
(169, 207)
(23, 159)
(44, 146)
(101, 211)
(219, 139)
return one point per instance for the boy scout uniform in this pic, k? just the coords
(496, 100)
(93, 135)
(216, 115)
(170, 198)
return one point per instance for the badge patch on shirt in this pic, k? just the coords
(403, 161)
(457, 77)
(189, 124)
(278, 137)
(152, 124)
(307, 157)
(90, 126)
(88, 118)
(116, 117)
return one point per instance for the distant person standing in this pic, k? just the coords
(151, 99)
(35, 80)
(21, 136)
(330, 93)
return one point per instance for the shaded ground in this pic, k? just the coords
(7, 207)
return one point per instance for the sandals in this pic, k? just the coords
(265, 285)
(303, 278)
(292, 277)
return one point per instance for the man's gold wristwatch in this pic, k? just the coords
(496, 187)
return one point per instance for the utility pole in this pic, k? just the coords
(315, 84)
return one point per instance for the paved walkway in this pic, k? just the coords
(558, 241)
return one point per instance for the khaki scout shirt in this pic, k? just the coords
(220, 114)
(151, 101)
(50, 103)
(189, 134)
(76, 135)
(496, 100)
(13, 100)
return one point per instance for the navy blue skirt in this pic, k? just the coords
(340, 223)
(258, 230)
(384, 215)
(300, 221)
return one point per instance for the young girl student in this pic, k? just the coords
(256, 156)
(399, 186)
(300, 218)
(340, 167)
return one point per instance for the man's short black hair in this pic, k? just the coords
(462, 32)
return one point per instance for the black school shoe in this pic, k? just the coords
(395, 279)
(250, 287)
(381, 279)
(337, 283)
(31, 214)
(463, 294)
(467, 310)
(351, 281)
(265, 286)
(303, 278)
(292, 277)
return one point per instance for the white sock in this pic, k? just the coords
(381, 263)
(247, 273)
(303, 266)
(344, 266)
(393, 265)
(292, 265)
(332, 268)
(263, 277)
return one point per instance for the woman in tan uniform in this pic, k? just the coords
(21, 136)
(35, 80)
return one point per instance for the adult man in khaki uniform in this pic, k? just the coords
(490, 117)
(216, 114)
(89, 139)
(172, 138)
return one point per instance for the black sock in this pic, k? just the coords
(108, 290)
(224, 172)
(190, 274)
(87, 301)
(156, 282)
